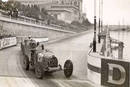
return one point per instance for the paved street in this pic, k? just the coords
(75, 48)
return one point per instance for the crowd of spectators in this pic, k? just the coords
(5, 36)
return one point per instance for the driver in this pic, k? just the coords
(42, 47)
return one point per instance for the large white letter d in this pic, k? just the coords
(122, 77)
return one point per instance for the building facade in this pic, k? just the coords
(65, 10)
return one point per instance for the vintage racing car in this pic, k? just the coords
(42, 60)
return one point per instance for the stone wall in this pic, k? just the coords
(22, 29)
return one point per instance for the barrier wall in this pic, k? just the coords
(7, 42)
(21, 28)
(94, 68)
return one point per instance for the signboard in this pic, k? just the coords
(7, 42)
(0, 44)
(114, 73)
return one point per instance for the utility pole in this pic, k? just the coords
(94, 39)
(101, 15)
(99, 39)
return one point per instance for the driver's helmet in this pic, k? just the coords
(29, 37)
(38, 43)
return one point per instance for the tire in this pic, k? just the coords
(68, 68)
(21, 47)
(39, 72)
(26, 63)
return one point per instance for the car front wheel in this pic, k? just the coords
(68, 68)
(39, 71)
(26, 63)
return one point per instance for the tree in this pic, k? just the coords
(1, 4)
(86, 22)
(35, 11)
(9, 5)
(75, 23)
(18, 5)
(43, 13)
(27, 11)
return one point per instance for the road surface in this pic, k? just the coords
(75, 48)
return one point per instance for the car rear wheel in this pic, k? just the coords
(22, 47)
(68, 68)
(39, 72)
(26, 63)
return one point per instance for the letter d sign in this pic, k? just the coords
(122, 71)
(114, 73)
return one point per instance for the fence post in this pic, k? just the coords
(120, 50)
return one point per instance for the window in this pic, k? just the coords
(75, 3)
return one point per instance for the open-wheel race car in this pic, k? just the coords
(42, 60)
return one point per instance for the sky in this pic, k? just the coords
(4, 0)
(114, 11)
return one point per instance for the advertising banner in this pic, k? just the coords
(0, 44)
(7, 42)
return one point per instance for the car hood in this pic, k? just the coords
(46, 54)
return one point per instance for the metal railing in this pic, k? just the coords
(31, 20)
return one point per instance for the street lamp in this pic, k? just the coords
(94, 39)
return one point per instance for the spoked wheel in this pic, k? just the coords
(39, 71)
(26, 63)
(68, 68)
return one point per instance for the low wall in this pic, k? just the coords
(20, 28)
